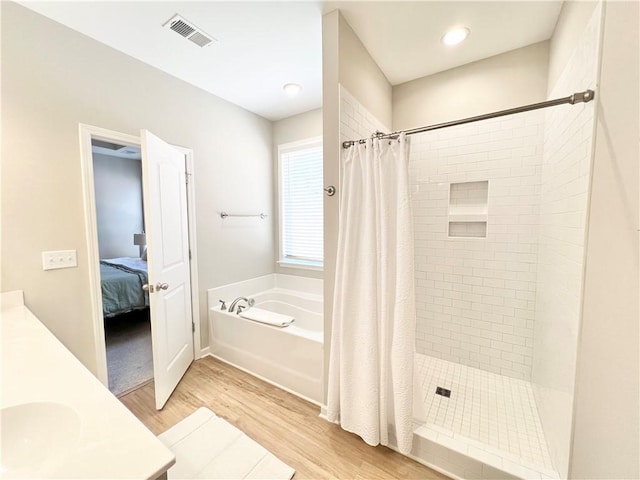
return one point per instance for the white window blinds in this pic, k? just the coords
(301, 215)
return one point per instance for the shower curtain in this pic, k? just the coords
(370, 390)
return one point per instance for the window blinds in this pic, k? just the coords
(301, 205)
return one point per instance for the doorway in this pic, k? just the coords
(117, 180)
(165, 320)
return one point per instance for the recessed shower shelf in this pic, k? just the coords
(468, 209)
(468, 217)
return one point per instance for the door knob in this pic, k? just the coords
(162, 286)
(148, 288)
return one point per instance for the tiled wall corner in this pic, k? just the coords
(566, 171)
(356, 121)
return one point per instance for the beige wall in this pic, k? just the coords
(292, 129)
(511, 79)
(571, 22)
(331, 171)
(606, 408)
(360, 74)
(299, 127)
(53, 79)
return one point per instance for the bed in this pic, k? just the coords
(122, 280)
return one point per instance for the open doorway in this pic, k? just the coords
(117, 179)
(170, 284)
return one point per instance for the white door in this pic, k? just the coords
(165, 209)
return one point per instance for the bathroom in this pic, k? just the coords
(243, 154)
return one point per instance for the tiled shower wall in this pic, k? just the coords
(355, 120)
(568, 144)
(476, 294)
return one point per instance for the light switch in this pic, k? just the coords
(59, 259)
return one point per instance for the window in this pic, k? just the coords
(300, 197)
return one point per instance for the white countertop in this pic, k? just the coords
(106, 440)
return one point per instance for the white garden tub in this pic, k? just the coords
(290, 357)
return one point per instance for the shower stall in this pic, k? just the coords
(499, 219)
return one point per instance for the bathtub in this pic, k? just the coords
(289, 357)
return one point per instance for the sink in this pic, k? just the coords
(36, 438)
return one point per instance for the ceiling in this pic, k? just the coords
(263, 45)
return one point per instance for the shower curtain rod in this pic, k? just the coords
(580, 97)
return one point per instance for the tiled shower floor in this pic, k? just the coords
(490, 416)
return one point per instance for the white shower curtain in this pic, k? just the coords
(370, 390)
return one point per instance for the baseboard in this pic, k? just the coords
(323, 412)
(204, 352)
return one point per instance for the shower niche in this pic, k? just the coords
(468, 209)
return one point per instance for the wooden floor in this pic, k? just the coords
(284, 424)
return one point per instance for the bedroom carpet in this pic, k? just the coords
(129, 356)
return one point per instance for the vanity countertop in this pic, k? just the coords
(47, 395)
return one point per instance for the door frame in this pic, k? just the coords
(86, 134)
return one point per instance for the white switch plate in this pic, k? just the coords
(59, 259)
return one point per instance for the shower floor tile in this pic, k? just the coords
(489, 412)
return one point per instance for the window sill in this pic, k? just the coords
(300, 265)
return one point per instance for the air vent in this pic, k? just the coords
(199, 39)
(189, 31)
(182, 28)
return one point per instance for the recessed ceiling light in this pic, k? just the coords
(292, 89)
(455, 36)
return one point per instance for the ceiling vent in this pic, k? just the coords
(189, 31)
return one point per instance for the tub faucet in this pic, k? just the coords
(250, 302)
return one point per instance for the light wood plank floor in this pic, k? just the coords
(286, 425)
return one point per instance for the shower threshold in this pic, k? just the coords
(477, 424)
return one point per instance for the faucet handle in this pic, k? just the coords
(223, 306)
(239, 309)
